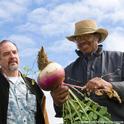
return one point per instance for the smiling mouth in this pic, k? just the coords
(83, 45)
(13, 62)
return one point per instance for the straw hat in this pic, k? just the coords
(88, 27)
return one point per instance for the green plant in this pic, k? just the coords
(84, 111)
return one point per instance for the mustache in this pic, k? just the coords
(12, 60)
(84, 43)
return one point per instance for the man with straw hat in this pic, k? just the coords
(96, 70)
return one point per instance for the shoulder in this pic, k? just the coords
(32, 85)
(73, 65)
(114, 53)
(31, 82)
(29, 79)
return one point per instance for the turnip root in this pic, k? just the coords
(51, 74)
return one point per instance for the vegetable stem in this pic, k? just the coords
(84, 111)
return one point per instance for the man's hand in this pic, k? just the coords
(60, 95)
(101, 87)
(97, 83)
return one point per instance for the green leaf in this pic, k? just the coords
(103, 110)
(26, 68)
(95, 116)
(91, 115)
(84, 110)
(94, 107)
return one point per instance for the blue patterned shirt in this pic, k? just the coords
(22, 103)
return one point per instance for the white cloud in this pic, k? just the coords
(115, 42)
(3, 14)
(105, 6)
(61, 18)
(25, 44)
(39, 16)
(61, 47)
(29, 52)
(59, 21)
(22, 41)
(38, 1)
(9, 10)
(117, 17)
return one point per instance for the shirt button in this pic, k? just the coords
(24, 121)
(88, 73)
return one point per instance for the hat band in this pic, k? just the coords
(84, 31)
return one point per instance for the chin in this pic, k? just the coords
(85, 51)
(13, 68)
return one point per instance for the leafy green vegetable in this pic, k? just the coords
(85, 111)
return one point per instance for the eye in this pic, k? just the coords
(78, 38)
(5, 53)
(14, 52)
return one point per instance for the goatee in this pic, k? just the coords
(13, 68)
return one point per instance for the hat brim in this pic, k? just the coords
(101, 31)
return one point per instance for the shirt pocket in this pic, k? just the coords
(31, 102)
(114, 76)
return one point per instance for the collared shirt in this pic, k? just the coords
(22, 103)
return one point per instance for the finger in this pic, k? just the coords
(83, 88)
(61, 89)
(61, 101)
(64, 95)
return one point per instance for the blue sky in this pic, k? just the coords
(35, 23)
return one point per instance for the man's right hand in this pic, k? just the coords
(60, 95)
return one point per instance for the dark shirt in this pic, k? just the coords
(109, 65)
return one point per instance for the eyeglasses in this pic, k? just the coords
(87, 37)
